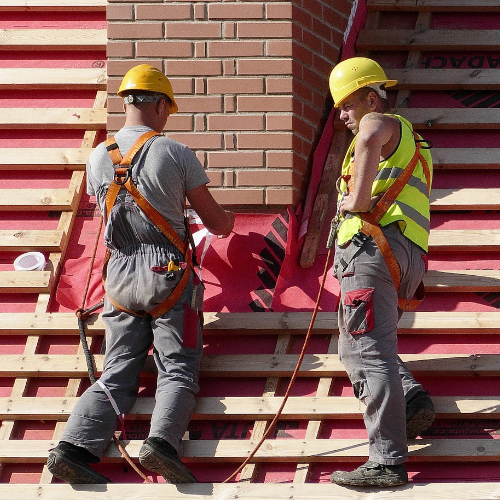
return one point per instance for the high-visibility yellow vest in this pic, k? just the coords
(411, 208)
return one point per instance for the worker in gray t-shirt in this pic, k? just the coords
(145, 269)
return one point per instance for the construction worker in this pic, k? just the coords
(145, 269)
(380, 260)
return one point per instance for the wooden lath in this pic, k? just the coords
(53, 5)
(53, 39)
(434, 5)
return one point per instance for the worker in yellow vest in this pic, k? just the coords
(380, 260)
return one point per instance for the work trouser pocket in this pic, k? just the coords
(358, 311)
(190, 327)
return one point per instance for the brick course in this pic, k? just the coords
(250, 78)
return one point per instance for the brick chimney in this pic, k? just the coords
(250, 79)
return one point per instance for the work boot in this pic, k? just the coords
(420, 414)
(372, 474)
(69, 463)
(158, 455)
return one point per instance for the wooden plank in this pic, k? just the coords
(276, 450)
(258, 365)
(462, 240)
(465, 199)
(43, 240)
(462, 281)
(441, 322)
(36, 199)
(445, 79)
(53, 39)
(466, 158)
(53, 78)
(447, 118)
(53, 5)
(53, 118)
(250, 408)
(252, 491)
(435, 5)
(25, 281)
(44, 158)
(435, 40)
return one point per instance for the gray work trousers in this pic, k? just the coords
(177, 347)
(368, 317)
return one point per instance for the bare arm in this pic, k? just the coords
(375, 131)
(214, 217)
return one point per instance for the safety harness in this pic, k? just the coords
(123, 178)
(371, 224)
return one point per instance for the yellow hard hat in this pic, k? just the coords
(353, 74)
(146, 77)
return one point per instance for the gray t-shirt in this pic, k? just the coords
(163, 172)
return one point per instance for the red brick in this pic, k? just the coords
(199, 140)
(264, 177)
(182, 85)
(200, 49)
(216, 178)
(164, 48)
(275, 10)
(164, 12)
(200, 11)
(229, 67)
(236, 10)
(229, 141)
(229, 104)
(283, 85)
(229, 30)
(235, 159)
(138, 31)
(192, 30)
(265, 103)
(279, 159)
(265, 30)
(120, 49)
(229, 178)
(264, 141)
(268, 66)
(235, 85)
(280, 48)
(199, 86)
(283, 196)
(183, 123)
(115, 122)
(232, 48)
(120, 67)
(279, 122)
(199, 104)
(235, 122)
(239, 197)
(199, 123)
(193, 67)
(119, 12)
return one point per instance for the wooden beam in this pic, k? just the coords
(36, 199)
(249, 408)
(435, 40)
(251, 491)
(435, 5)
(53, 39)
(447, 118)
(445, 79)
(440, 322)
(44, 158)
(25, 281)
(275, 450)
(466, 158)
(53, 118)
(41, 5)
(53, 78)
(258, 365)
(43, 240)
(465, 199)
(463, 240)
(462, 281)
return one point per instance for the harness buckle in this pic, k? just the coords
(359, 239)
(119, 175)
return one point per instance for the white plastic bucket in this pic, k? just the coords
(31, 261)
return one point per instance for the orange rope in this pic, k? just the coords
(294, 374)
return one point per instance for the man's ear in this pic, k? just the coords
(373, 98)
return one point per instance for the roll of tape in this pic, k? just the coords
(31, 261)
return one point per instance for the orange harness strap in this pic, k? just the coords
(123, 178)
(371, 226)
